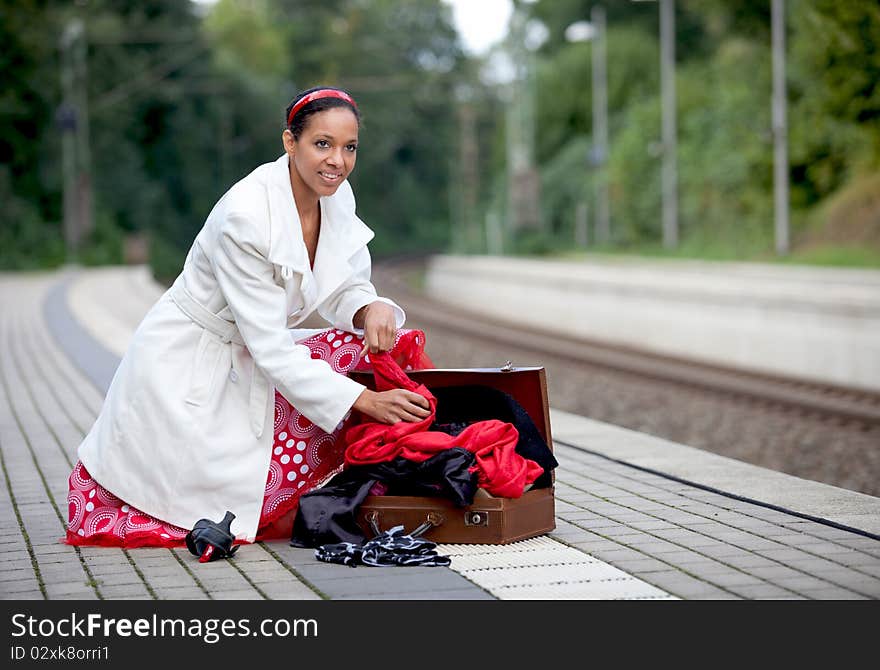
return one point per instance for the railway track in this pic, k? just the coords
(817, 431)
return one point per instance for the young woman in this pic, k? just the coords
(189, 427)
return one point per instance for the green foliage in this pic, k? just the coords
(718, 20)
(836, 256)
(835, 96)
(104, 245)
(565, 98)
(166, 259)
(27, 242)
(557, 15)
(246, 40)
(850, 217)
(725, 150)
(181, 106)
(565, 182)
(535, 243)
(724, 155)
(564, 131)
(634, 175)
(399, 60)
(30, 229)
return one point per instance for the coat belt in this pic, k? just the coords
(227, 331)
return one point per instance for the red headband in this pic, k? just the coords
(317, 95)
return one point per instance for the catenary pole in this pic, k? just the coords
(600, 124)
(780, 139)
(670, 133)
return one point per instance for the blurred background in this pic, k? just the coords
(718, 129)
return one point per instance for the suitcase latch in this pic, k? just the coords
(473, 518)
(432, 520)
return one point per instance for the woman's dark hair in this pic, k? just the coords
(298, 123)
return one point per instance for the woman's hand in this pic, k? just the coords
(393, 406)
(379, 326)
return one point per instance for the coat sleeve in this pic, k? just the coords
(245, 277)
(340, 306)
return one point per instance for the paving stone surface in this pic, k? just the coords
(643, 534)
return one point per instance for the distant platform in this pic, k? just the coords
(817, 324)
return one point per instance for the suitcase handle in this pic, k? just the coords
(432, 519)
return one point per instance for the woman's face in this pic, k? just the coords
(325, 153)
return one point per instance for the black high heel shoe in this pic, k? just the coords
(210, 540)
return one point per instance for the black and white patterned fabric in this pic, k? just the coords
(391, 547)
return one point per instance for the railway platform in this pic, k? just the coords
(756, 316)
(638, 517)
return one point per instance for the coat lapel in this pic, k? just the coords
(286, 247)
(342, 235)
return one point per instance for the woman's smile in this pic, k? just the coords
(331, 177)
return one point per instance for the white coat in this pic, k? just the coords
(186, 428)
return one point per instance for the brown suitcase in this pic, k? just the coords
(488, 520)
